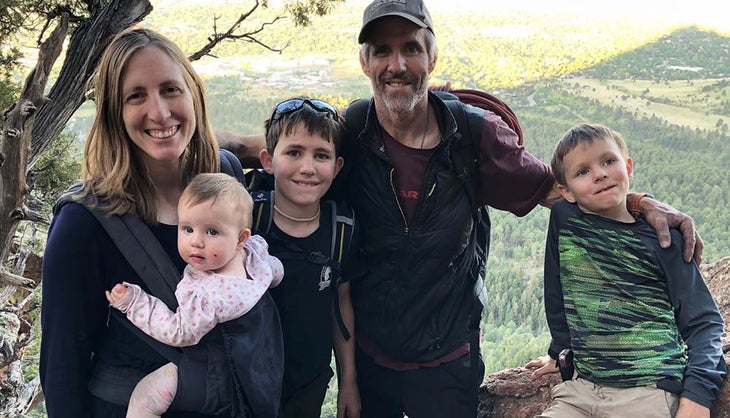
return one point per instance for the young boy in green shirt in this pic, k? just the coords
(623, 305)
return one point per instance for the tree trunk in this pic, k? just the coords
(87, 44)
(15, 395)
(29, 126)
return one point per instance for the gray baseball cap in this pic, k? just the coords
(412, 10)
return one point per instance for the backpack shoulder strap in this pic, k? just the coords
(263, 211)
(466, 156)
(258, 179)
(232, 166)
(355, 117)
(466, 163)
(343, 222)
(464, 104)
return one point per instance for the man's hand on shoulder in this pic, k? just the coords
(663, 217)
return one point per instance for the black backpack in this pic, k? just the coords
(247, 369)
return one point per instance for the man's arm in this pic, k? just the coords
(552, 196)
(246, 147)
(660, 216)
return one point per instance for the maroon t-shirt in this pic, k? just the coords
(510, 178)
(410, 165)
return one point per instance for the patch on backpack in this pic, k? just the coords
(325, 278)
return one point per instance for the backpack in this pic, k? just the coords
(465, 159)
(252, 344)
(261, 185)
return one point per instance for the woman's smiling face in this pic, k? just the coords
(157, 106)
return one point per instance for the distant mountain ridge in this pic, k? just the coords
(689, 53)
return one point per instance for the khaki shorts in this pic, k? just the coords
(579, 398)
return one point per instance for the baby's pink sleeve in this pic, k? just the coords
(194, 317)
(242, 294)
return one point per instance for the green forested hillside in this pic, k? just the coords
(660, 80)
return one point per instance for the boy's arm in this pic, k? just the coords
(554, 309)
(553, 289)
(659, 215)
(348, 396)
(699, 322)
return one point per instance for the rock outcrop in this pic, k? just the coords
(512, 393)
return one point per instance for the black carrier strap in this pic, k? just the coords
(232, 166)
(150, 261)
(146, 257)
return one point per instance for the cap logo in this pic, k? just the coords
(380, 3)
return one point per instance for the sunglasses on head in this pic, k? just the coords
(292, 105)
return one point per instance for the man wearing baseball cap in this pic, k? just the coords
(417, 316)
(414, 11)
(413, 279)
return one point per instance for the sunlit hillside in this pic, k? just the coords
(482, 43)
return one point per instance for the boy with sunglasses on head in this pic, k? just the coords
(302, 154)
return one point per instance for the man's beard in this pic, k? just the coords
(400, 103)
